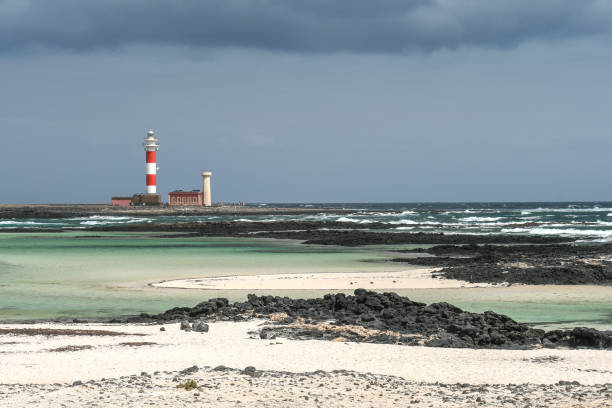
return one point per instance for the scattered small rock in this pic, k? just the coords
(190, 370)
(221, 368)
(252, 371)
(200, 327)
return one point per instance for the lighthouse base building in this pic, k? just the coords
(146, 199)
(193, 197)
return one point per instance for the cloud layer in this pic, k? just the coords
(312, 26)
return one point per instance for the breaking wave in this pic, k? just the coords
(481, 219)
(569, 210)
(347, 219)
(26, 223)
(569, 232)
(580, 220)
(101, 218)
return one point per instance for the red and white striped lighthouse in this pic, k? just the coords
(151, 145)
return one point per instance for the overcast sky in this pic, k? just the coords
(308, 100)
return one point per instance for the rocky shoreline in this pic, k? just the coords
(381, 318)
(525, 264)
(22, 211)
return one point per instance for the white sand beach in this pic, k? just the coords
(419, 278)
(44, 360)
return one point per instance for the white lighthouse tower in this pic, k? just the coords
(206, 197)
(151, 145)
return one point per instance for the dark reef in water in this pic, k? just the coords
(358, 238)
(383, 318)
(327, 233)
(528, 264)
(315, 232)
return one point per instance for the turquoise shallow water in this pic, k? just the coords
(45, 275)
(87, 275)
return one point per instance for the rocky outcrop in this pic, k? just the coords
(528, 264)
(200, 327)
(358, 238)
(386, 318)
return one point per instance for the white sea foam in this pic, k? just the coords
(318, 217)
(495, 224)
(386, 214)
(481, 219)
(109, 220)
(403, 221)
(515, 230)
(412, 222)
(266, 220)
(569, 232)
(100, 217)
(347, 219)
(570, 210)
(18, 223)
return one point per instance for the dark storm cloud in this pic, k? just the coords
(387, 26)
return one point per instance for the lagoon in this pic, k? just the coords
(89, 275)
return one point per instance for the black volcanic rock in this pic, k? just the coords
(358, 238)
(390, 318)
(529, 264)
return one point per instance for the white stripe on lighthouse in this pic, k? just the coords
(151, 168)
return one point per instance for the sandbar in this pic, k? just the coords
(420, 278)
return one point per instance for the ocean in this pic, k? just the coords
(582, 220)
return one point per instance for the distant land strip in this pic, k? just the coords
(21, 211)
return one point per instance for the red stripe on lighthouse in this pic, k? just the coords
(151, 179)
(150, 157)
